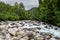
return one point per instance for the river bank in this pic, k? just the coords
(28, 30)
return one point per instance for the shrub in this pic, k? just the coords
(14, 18)
(3, 17)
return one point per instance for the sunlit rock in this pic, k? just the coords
(15, 38)
(8, 36)
(24, 38)
(52, 39)
(11, 31)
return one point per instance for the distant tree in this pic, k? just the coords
(21, 11)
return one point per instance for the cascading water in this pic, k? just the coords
(44, 28)
(38, 29)
(51, 30)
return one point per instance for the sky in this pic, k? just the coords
(27, 3)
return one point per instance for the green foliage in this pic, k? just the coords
(3, 17)
(48, 11)
(34, 14)
(57, 18)
(7, 16)
(14, 18)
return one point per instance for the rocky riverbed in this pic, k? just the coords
(28, 30)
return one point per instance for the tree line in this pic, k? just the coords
(48, 11)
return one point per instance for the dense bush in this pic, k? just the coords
(57, 18)
(7, 16)
(3, 17)
(49, 11)
(13, 18)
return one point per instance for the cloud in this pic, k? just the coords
(27, 3)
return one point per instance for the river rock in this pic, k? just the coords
(11, 31)
(40, 38)
(21, 32)
(52, 39)
(15, 38)
(56, 28)
(35, 30)
(30, 35)
(3, 26)
(24, 38)
(8, 36)
(48, 37)
(1, 39)
(32, 39)
(25, 30)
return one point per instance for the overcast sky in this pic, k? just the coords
(27, 3)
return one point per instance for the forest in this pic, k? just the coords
(48, 11)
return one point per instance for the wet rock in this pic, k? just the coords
(25, 30)
(24, 38)
(19, 25)
(51, 27)
(48, 37)
(52, 39)
(55, 28)
(9, 26)
(12, 24)
(30, 35)
(56, 37)
(38, 28)
(36, 24)
(46, 26)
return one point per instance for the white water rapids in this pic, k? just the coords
(49, 29)
(56, 33)
(54, 30)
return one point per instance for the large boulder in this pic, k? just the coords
(12, 31)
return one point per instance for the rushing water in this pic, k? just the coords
(50, 29)
(55, 32)
(45, 28)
